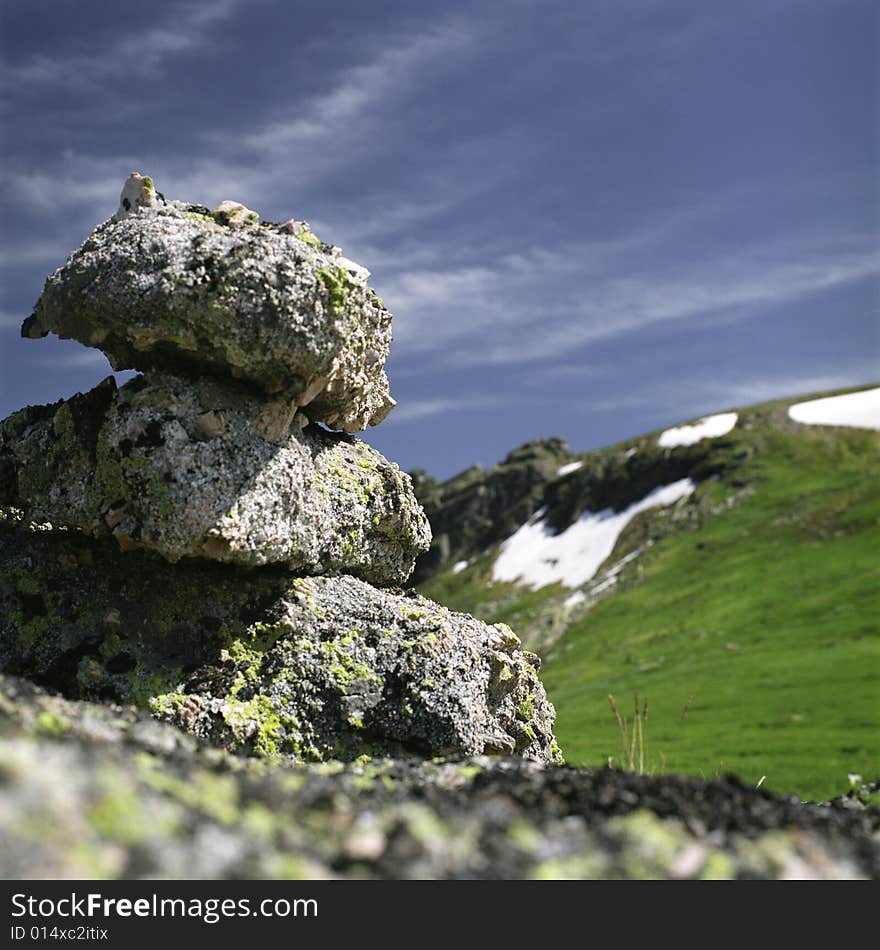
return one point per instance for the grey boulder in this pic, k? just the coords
(170, 286)
(211, 469)
(260, 663)
(345, 670)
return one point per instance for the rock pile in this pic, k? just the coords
(196, 542)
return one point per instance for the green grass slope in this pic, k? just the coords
(766, 612)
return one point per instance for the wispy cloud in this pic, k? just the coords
(70, 357)
(503, 301)
(356, 93)
(420, 409)
(274, 160)
(700, 393)
(8, 320)
(746, 392)
(140, 50)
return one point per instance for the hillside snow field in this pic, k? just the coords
(536, 556)
(860, 410)
(732, 579)
(709, 428)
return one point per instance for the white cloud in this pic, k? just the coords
(10, 320)
(698, 394)
(304, 142)
(416, 410)
(496, 313)
(353, 117)
(140, 51)
(763, 389)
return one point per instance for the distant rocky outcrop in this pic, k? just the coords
(195, 543)
(479, 508)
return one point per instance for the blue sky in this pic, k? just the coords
(589, 218)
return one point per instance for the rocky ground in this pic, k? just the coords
(91, 790)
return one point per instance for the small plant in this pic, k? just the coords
(687, 706)
(633, 743)
(634, 734)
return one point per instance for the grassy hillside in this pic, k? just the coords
(759, 597)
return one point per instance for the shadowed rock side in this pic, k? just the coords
(210, 469)
(91, 791)
(171, 286)
(258, 662)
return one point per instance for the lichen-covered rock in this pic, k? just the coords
(345, 669)
(235, 215)
(260, 663)
(210, 469)
(92, 791)
(169, 286)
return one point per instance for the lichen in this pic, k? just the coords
(52, 723)
(216, 796)
(118, 814)
(307, 237)
(336, 284)
(107, 485)
(526, 709)
(145, 684)
(338, 661)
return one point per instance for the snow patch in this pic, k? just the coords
(570, 467)
(459, 566)
(578, 597)
(535, 556)
(709, 428)
(629, 453)
(857, 410)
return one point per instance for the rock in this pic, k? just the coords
(258, 662)
(235, 215)
(346, 670)
(137, 192)
(92, 791)
(210, 469)
(476, 510)
(169, 286)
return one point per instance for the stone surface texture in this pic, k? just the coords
(261, 663)
(170, 286)
(211, 469)
(92, 791)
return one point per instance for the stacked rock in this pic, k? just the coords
(242, 607)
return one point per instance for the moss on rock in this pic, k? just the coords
(262, 664)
